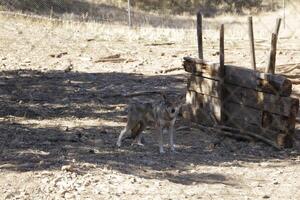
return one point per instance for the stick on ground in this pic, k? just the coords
(254, 135)
(141, 93)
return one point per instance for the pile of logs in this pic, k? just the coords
(240, 98)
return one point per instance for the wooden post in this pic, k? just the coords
(272, 59)
(222, 57)
(277, 27)
(248, 78)
(129, 14)
(199, 34)
(284, 22)
(222, 74)
(252, 47)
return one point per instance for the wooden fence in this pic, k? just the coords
(240, 98)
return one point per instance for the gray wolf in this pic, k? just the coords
(162, 114)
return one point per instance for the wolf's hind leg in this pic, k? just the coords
(123, 132)
(138, 134)
(171, 133)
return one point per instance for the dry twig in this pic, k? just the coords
(141, 93)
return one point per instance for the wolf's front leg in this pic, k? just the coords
(171, 134)
(160, 140)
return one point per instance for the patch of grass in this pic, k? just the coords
(37, 5)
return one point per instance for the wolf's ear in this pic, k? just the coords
(163, 94)
(181, 97)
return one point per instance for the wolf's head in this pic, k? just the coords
(173, 105)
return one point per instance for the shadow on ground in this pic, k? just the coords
(32, 137)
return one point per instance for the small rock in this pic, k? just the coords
(216, 53)
(133, 180)
(46, 143)
(69, 195)
(98, 142)
(264, 164)
(68, 168)
(92, 151)
(266, 197)
(89, 165)
(27, 60)
(69, 68)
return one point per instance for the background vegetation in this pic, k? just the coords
(189, 6)
(160, 6)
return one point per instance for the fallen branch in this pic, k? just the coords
(233, 135)
(116, 58)
(165, 71)
(160, 44)
(238, 134)
(134, 94)
(254, 135)
(183, 128)
(59, 55)
(296, 82)
(225, 133)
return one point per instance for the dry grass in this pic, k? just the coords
(53, 117)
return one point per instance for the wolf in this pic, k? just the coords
(162, 114)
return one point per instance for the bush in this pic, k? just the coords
(190, 6)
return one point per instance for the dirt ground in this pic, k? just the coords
(61, 112)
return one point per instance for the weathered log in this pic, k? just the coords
(285, 106)
(285, 140)
(202, 68)
(204, 86)
(265, 82)
(244, 117)
(203, 109)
